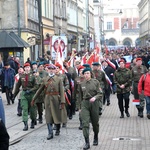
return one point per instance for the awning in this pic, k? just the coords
(19, 40)
(11, 40)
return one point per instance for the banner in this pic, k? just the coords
(61, 42)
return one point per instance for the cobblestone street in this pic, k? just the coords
(115, 133)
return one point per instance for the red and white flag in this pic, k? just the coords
(111, 64)
(136, 102)
(83, 60)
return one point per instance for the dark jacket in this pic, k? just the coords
(4, 137)
(10, 80)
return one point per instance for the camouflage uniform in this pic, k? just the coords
(137, 72)
(123, 76)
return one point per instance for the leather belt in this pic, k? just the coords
(52, 93)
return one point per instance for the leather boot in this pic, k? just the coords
(127, 113)
(100, 111)
(50, 131)
(141, 112)
(64, 125)
(32, 124)
(87, 144)
(57, 129)
(25, 126)
(122, 115)
(80, 127)
(95, 141)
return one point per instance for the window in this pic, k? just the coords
(109, 25)
(137, 25)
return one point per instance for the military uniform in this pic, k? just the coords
(40, 99)
(54, 98)
(29, 86)
(90, 110)
(123, 76)
(100, 76)
(137, 72)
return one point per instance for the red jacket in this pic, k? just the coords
(146, 85)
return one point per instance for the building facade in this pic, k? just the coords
(144, 22)
(121, 23)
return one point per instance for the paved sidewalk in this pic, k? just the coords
(115, 134)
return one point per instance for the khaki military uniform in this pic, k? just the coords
(90, 111)
(28, 82)
(137, 72)
(100, 76)
(54, 97)
(123, 76)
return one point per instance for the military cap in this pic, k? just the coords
(58, 65)
(86, 69)
(51, 66)
(26, 64)
(81, 67)
(34, 63)
(121, 60)
(41, 63)
(96, 64)
(86, 65)
(46, 65)
(137, 59)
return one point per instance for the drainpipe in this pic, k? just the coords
(18, 16)
(77, 26)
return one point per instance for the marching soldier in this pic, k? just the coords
(39, 101)
(55, 112)
(65, 81)
(123, 80)
(28, 83)
(100, 76)
(137, 72)
(75, 95)
(90, 93)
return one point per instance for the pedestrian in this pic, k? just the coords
(29, 87)
(144, 85)
(123, 80)
(20, 72)
(90, 93)
(55, 112)
(7, 82)
(137, 71)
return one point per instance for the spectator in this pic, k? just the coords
(8, 75)
(144, 84)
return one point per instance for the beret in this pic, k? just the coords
(51, 66)
(138, 58)
(96, 64)
(34, 63)
(86, 69)
(58, 65)
(121, 60)
(81, 67)
(86, 65)
(26, 64)
(46, 65)
(41, 63)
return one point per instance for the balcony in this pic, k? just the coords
(130, 31)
